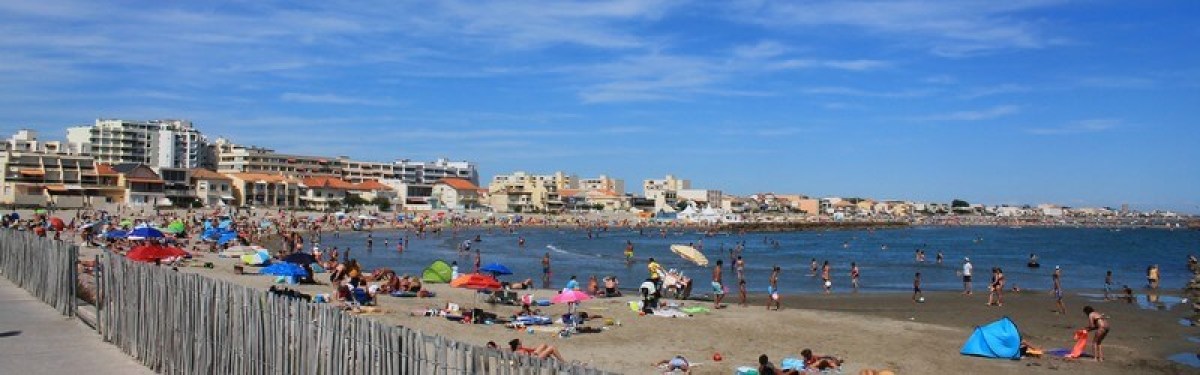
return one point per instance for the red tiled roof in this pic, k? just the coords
(458, 184)
(371, 185)
(105, 170)
(204, 174)
(327, 182)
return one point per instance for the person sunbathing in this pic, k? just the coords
(414, 285)
(541, 351)
(677, 363)
(528, 283)
(819, 362)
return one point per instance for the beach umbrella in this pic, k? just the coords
(284, 269)
(114, 234)
(226, 237)
(56, 224)
(144, 233)
(40, 211)
(476, 281)
(300, 258)
(496, 269)
(264, 224)
(175, 227)
(125, 223)
(570, 296)
(151, 253)
(225, 224)
(257, 259)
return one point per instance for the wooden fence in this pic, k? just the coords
(44, 267)
(180, 323)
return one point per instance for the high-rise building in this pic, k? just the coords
(155, 143)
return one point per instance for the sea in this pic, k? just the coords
(886, 257)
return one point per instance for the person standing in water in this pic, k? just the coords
(1108, 283)
(1152, 276)
(917, 288)
(546, 271)
(854, 276)
(825, 276)
(812, 267)
(966, 276)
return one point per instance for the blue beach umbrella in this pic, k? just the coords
(496, 269)
(115, 234)
(144, 233)
(225, 224)
(226, 237)
(284, 269)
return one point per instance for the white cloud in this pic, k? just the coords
(1007, 88)
(850, 91)
(948, 28)
(331, 99)
(975, 115)
(1079, 127)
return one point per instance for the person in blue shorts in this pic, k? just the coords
(773, 289)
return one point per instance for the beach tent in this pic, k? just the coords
(999, 339)
(439, 273)
(226, 237)
(257, 259)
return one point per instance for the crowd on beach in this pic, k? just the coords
(347, 278)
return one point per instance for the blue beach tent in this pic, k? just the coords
(999, 339)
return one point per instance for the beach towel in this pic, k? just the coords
(746, 370)
(695, 310)
(404, 294)
(1081, 337)
(791, 363)
(533, 320)
(670, 313)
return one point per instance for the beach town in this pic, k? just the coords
(580, 187)
(272, 222)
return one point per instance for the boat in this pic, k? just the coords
(691, 254)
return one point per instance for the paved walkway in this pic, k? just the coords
(35, 339)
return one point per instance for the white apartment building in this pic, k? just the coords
(603, 184)
(155, 143)
(701, 197)
(429, 173)
(664, 192)
(233, 158)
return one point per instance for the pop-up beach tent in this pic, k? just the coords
(438, 272)
(999, 339)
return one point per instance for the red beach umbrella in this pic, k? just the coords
(475, 281)
(151, 253)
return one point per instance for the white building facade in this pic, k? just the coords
(155, 143)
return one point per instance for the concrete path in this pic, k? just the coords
(35, 339)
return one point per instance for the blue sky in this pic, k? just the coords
(1071, 102)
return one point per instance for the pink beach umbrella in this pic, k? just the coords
(570, 296)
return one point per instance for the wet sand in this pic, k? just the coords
(869, 330)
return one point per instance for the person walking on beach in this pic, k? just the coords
(742, 292)
(718, 288)
(966, 276)
(854, 276)
(917, 295)
(773, 289)
(1059, 307)
(1099, 323)
(996, 289)
(546, 270)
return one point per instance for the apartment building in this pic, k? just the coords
(603, 184)
(234, 158)
(664, 192)
(211, 189)
(143, 186)
(155, 143)
(51, 173)
(525, 192)
(264, 190)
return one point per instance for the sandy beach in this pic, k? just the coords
(870, 331)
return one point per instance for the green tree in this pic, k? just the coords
(352, 200)
(959, 203)
(384, 204)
